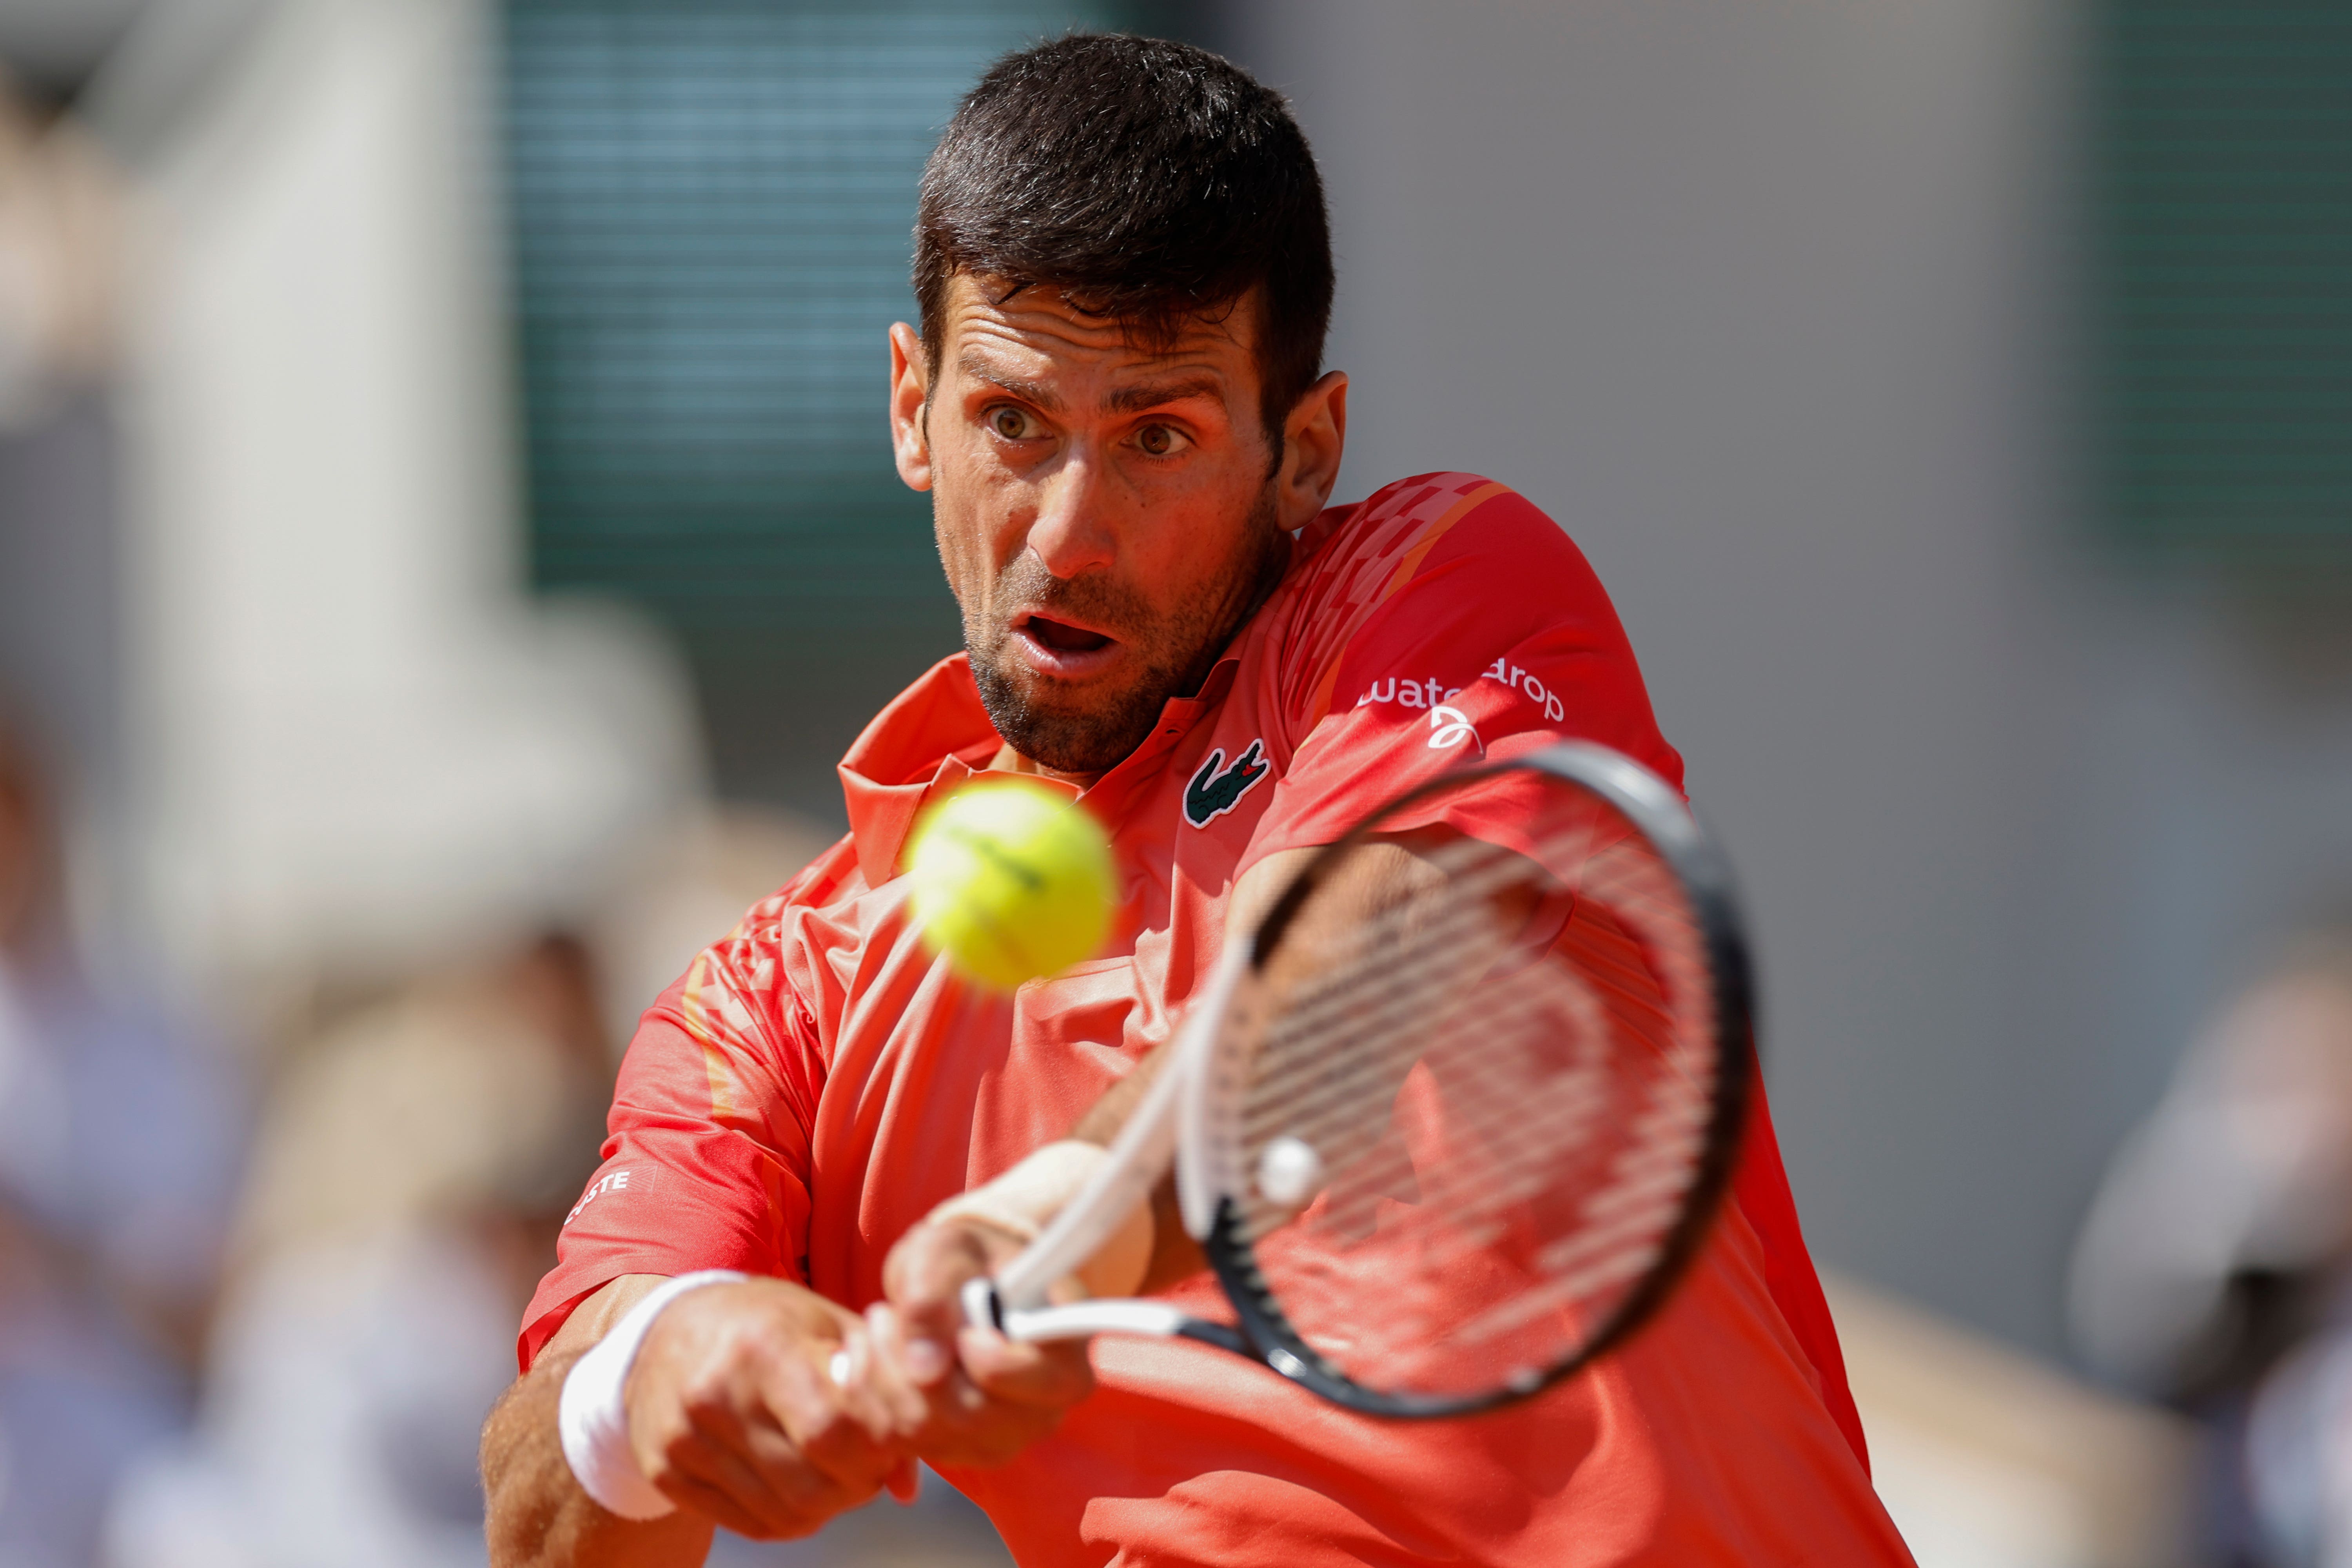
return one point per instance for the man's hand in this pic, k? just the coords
(733, 1413)
(985, 1397)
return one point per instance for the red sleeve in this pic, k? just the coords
(1760, 1188)
(707, 1156)
(1449, 619)
(1437, 633)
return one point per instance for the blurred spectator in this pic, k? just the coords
(59, 224)
(414, 1165)
(2216, 1267)
(118, 1141)
(62, 223)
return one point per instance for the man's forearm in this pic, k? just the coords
(538, 1517)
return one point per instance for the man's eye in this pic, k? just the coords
(1011, 424)
(1158, 440)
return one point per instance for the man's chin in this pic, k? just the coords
(1069, 727)
(1075, 742)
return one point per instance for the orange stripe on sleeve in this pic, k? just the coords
(1403, 575)
(696, 1012)
(1437, 530)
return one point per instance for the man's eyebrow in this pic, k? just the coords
(978, 367)
(1125, 400)
(1152, 395)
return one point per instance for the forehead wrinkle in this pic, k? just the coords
(1032, 325)
(1189, 382)
(1038, 323)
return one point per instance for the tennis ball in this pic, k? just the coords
(1011, 881)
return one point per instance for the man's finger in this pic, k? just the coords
(851, 1384)
(839, 1429)
(886, 1369)
(713, 1504)
(1054, 1374)
(986, 1398)
(752, 1498)
(738, 1448)
(926, 1278)
(798, 1481)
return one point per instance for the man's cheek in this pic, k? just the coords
(962, 556)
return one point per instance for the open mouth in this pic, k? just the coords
(1062, 638)
(1059, 648)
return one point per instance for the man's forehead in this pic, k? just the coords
(988, 323)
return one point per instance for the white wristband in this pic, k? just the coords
(593, 1419)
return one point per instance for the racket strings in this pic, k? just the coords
(1516, 1073)
(1340, 957)
(1344, 1104)
(1382, 1005)
(1509, 1132)
(1346, 1121)
(1358, 964)
(1299, 1047)
(1510, 1138)
(1376, 1006)
(1347, 1085)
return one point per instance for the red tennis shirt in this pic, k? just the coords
(815, 1083)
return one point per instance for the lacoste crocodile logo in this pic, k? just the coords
(1217, 789)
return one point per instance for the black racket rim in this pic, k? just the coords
(1656, 811)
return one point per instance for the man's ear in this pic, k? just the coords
(1313, 438)
(910, 442)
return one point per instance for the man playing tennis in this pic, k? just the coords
(1124, 274)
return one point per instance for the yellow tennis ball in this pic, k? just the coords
(1011, 881)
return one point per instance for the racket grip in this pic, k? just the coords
(983, 1308)
(1079, 1320)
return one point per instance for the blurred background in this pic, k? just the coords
(447, 536)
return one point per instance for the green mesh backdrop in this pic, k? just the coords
(2222, 179)
(712, 202)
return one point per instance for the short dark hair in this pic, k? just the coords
(1151, 182)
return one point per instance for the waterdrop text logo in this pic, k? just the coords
(1429, 693)
(1426, 693)
(1449, 727)
(1529, 687)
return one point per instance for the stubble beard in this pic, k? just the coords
(1094, 731)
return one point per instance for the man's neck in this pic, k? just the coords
(1008, 761)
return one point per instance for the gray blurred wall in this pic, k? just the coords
(1769, 305)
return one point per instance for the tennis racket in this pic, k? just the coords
(1450, 1123)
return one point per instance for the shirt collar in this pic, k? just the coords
(932, 734)
(935, 734)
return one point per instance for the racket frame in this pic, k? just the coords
(1213, 1159)
(1185, 1117)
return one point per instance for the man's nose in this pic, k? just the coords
(1072, 532)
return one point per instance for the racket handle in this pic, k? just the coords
(983, 1308)
(1079, 1320)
